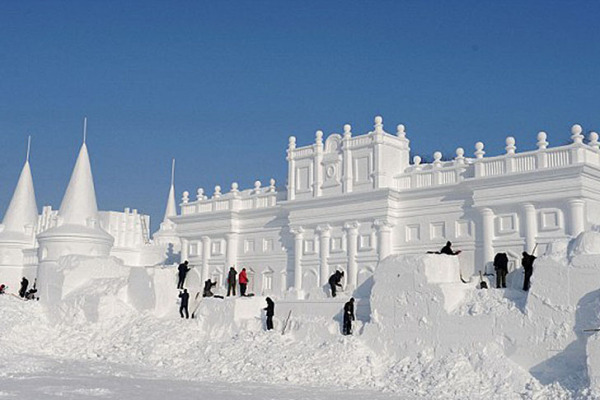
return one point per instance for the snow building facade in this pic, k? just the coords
(351, 201)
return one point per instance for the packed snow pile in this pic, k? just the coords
(429, 335)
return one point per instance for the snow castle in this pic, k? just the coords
(350, 201)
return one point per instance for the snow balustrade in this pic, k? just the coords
(235, 200)
(461, 168)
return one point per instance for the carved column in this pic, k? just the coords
(576, 216)
(185, 247)
(325, 241)
(530, 226)
(318, 164)
(298, 233)
(352, 236)
(347, 160)
(487, 219)
(231, 248)
(291, 186)
(384, 237)
(205, 256)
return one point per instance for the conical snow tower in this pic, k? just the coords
(167, 233)
(17, 235)
(78, 230)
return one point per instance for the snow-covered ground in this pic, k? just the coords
(429, 337)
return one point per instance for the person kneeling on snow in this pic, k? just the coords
(185, 297)
(30, 295)
(348, 317)
(208, 285)
(447, 249)
(334, 281)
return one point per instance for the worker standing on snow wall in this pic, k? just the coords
(334, 281)
(270, 309)
(231, 281)
(348, 317)
(501, 268)
(185, 298)
(183, 270)
(243, 282)
(527, 263)
(24, 284)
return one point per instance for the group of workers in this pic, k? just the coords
(233, 278)
(23, 292)
(501, 268)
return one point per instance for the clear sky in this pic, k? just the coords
(221, 85)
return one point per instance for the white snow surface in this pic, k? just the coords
(430, 337)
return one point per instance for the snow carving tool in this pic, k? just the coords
(285, 324)
(197, 305)
(482, 283)
(592, 330)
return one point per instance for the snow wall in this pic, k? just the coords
(419, 305)
(419, 310)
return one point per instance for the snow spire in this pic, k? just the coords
(171, 210)
(22, 210)
(79, 203)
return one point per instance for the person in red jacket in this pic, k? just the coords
(243, 278)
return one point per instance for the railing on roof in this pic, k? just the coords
(441, 172)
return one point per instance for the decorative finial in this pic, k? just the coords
(234, 187)
(272, 185)
(400, 131)
(84, 129)
(417, 160)
(437, 156)
(541, 140)
(186, 197)
(28, 148)
(510, 145)
(347, 130)
(200, 194)
(576, 135)
(217, 192)
(319, 137)
(378, 124)
(594, 140)
(479, 150)
(460, 155)
(292, 142)
(173, 172)
(257, 185)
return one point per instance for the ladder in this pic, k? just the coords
(145, 233)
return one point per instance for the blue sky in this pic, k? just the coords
(221, 85)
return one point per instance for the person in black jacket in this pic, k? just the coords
(183, 270)
(447, 249)
(348, 317)
(501, 268)
(231, 281)
(208, 285)
(527, 263)
(270, 309)
(334, 282)
(24, 284)
(185, 297)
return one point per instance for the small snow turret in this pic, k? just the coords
(22, 213)
(77, 230)
(19, 225)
